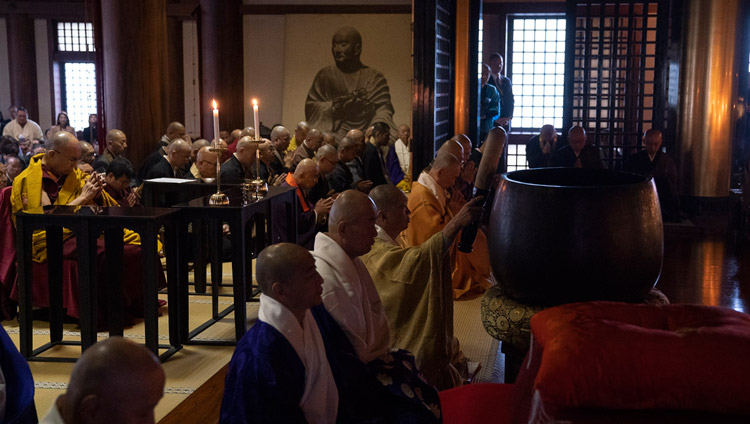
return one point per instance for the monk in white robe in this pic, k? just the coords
(432, 207)
(350, 296)
(414, 284)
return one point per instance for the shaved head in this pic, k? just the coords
(351, 223)
(386, 196)
(199, 144)
(179, 145)
(465, 142)
(62, 139)
(87, 152)
(349, 207)
(113, 378)
(175, 130)
(306, 174)
(246, 150)
(445, 170)
(274, 263)
(452, 147)
(326, 151)
(247, 132)
(355, 135)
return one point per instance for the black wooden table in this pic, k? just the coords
(87, 223)
(165, 194)
(239, 216)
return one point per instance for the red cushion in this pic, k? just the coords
(478, 403)
(625, 356)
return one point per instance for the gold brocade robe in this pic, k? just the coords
(414, 284)
(470, 271)
(26, 195)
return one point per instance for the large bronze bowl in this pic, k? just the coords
(560, 235)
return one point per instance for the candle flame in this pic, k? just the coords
(255, 102)
(213, 102)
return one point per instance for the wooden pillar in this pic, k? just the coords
(221, 64)
(708, 95)
(22, 64)
(466, 107)
(135, 72)
(175, 65)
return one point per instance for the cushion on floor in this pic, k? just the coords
(626, 356)
(478, 404)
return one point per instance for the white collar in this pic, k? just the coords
(383, 235)
(426, 180)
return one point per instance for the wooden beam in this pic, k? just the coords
(203, 405)
(286, 9)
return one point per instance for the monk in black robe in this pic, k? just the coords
(652, 162)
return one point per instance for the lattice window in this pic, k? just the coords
(517, 157)
(617, 92)
(536, 66)
(80, 90)
(75, 37)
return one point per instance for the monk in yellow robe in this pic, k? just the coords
(414, 285)
(53, 178)
(432, 207)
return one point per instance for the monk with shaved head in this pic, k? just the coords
(311, 218)
(173, 163)
(577, 153)
(205, 163)
(415, 285)
(434, 201)
(117, 142)
(53, 178)
(350, 296)
(115, 381)
(306, 150)
(175, 131)
(238, 167)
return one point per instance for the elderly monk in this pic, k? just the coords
(465, 181)
(197, 144)
(175, 131)
(310, 217)
(341, 178)
(117, 142)
(432, 207)
(328, 159)
(280, 140)
(87, 152)
(300, 134)
(350, 296)
(173, 164)
(577, 153)
(652, 162)
(295, 365)
(234, 137)
(267, 173)
(414, 284)
(309, 146)
(52, 178)
(237, 168)
(205, 164)
(115, 380)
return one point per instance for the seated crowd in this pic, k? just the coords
(356, 319)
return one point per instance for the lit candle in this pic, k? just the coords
(216, 123)
(255, 117)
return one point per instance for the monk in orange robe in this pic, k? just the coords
(432, 206)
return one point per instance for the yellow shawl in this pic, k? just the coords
(26, 195)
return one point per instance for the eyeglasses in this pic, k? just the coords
(71, 159)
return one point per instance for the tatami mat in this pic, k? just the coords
(190, 367)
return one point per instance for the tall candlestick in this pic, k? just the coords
(255, 118)
(257, 162)
(216, 124)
